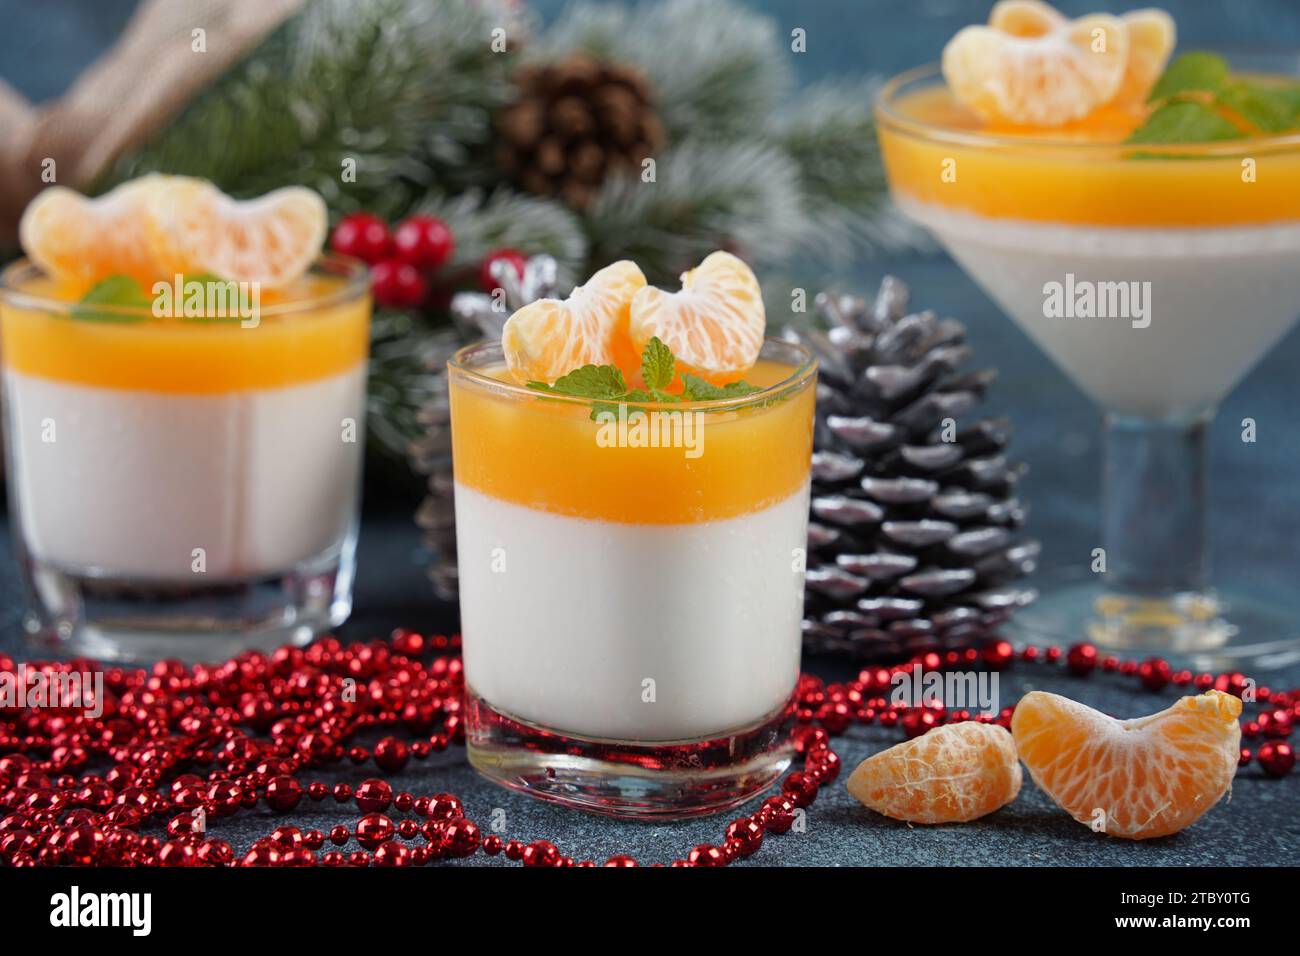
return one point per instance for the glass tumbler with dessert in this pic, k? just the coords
(631, 492)
(184, 391)
(1139, 218)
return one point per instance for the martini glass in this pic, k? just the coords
(1155, 278)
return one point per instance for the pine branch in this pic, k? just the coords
(830, 133)
(718, 69)
(528, 223)
(405, 88)
(742, 196)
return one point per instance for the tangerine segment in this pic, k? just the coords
(952, 774)
(1044, 80)
(1025, 18)
(1151, 39)
(1137, 779)
(196, 228)
(713, 326)
(72, 237)
(550, 338)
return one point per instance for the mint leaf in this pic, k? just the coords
(698, 390)
(115, 290)
(1185, 122)
(657, 364)
(1195, 72)
(1266, 110)
(590, 381)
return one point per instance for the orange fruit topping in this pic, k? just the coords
(550, 338)
(1137, 779)
(1025, 18)
(1038, 78)
(72, 237)
(714, 325)
(196, 228)
(1151, 38)
(156, 226)
(952, 774)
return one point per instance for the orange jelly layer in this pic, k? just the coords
(187, 356)
(1082, 173)
(546, 455)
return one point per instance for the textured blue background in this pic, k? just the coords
(1255, 492)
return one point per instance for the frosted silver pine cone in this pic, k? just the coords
(476, 316)
(912, 540)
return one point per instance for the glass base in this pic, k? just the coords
(1209, 631)
(658, 780)
(117, 619)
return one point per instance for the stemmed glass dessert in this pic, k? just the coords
(1140, 220)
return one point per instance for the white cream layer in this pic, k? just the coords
(133, 482)
(1220, 299)
(630, 632)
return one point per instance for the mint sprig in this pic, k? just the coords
(1193, 91)
(605, 386)
(117, 292)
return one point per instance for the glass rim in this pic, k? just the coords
(802, 374)
(355, 273)
(889, 117)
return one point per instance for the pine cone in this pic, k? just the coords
(911, 543)
(576, 120)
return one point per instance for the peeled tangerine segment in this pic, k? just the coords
(1045, 80)
(1025, 18)
(952, 774)
(550, 338)
(270, 240)
(156, 226)
(70, 236)
(1151, 39)
(1141, 778)
(714, 325)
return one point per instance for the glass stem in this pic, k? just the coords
(1153, 505)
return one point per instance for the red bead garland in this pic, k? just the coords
(189, 745)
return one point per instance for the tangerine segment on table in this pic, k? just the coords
(1137, 779)
(952, 774)
(550, 338)
(714, 326)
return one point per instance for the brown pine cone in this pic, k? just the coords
(575, 121)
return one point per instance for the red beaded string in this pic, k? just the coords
(208, 742)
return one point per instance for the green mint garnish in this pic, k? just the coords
(1193, 91)
(115, 290)
(605, 386)
(1184, 122)
(1195, 72)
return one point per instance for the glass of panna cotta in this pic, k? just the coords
(1155, 274)
(631, 588)
(185, 486)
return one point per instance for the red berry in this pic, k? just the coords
(424, 242)
(363, 235)
(397, 284)
(1276, 758)
(513, 256)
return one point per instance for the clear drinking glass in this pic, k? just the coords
(1155, 277)
(631, 586)
(184, 479)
